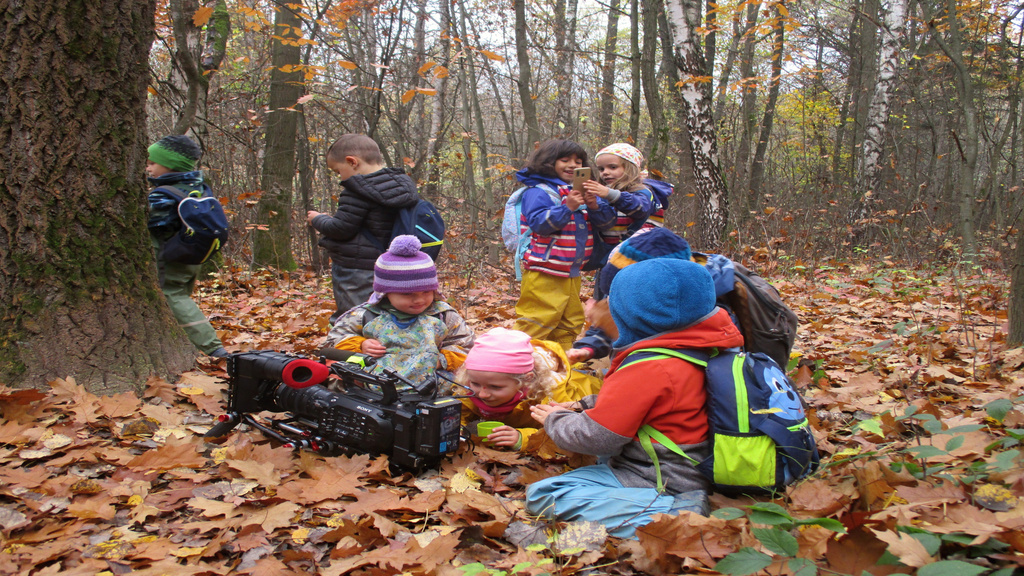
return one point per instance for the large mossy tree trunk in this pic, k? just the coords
(78, 288)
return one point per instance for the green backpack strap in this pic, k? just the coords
(647, 432)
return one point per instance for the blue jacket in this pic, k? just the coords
(562, 239)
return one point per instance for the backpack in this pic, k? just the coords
(514, 233)
(204, 226)
(760, 438)
(767, 324)
(421, 220)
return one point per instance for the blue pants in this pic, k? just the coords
(593, 493)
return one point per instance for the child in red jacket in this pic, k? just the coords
(659, 303)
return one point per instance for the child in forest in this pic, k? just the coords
(508, 373)
(172, 162)
(645, 244)
(639, 202)
(676, 310)
(405, 325)
(370, 198)
(562, 224)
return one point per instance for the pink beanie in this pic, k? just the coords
(501, 350)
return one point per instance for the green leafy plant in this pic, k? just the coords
(777, 538)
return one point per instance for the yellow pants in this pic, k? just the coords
(549, 308)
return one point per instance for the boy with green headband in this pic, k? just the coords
(172, 162)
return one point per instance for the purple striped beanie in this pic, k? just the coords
(404, 269)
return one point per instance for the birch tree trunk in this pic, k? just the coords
(869, 166)
(684, 19)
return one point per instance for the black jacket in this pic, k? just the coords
(368, 201)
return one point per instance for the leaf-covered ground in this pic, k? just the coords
(916, 405)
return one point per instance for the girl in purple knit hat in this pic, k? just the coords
(405, 324)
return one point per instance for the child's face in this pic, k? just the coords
(411, 302)
(492, 388)
(566, 167)
(154, 170)
(342, 168)
(609, 166)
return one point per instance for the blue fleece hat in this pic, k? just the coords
(659, 295)
(647, 243)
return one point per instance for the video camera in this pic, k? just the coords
(414, 427)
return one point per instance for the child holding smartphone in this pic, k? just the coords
(562, 222)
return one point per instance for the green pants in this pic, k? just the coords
(177, 282)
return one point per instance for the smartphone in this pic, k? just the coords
(580, 176)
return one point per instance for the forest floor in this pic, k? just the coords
(916, 404)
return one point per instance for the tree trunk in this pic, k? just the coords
(740, 182)
(272, 239)
(869, 167)
(1016, 337)
(634, 71)
(684, 19)
(757, 169)
(566, 116)
(525, 77)
(660, 130)
(195, 59)
(611, 38)
(967, 144)
(78, 288)
(730, 58)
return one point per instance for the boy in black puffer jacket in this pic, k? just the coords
(371, 196)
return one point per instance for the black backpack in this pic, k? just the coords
(421, 220)
(204, 226)
(767, 324)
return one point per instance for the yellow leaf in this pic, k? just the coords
(299, 535)
(135, 500)
(192, 391)
(688, 224)
(427, 91)
(347, 65)
(783, 10)
(492, 55)
(151, 90)
(440, 72)
(423, 69)
(185, 552)
(769, 210)
(305, 99)
(409, 94)
(202, 16)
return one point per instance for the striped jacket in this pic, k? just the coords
(562, 239)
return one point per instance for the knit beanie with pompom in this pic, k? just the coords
(404, 268)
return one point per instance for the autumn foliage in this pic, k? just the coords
(915, 403)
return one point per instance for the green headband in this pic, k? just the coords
(170, 159)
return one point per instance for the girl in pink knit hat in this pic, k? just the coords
(507, 373)
(638, 201)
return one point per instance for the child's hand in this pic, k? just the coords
(505, 436)
(540, 412)
(312, 214)
(596, 188)
(590, 199)
(579, 354)
(373, 348)
(574, 200)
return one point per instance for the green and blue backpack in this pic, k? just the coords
(760, 438)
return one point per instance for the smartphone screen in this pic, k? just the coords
(580, 176)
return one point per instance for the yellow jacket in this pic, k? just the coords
(572, 386)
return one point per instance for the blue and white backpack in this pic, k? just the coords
(760, 438)
(204, 226)
(514, 233)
